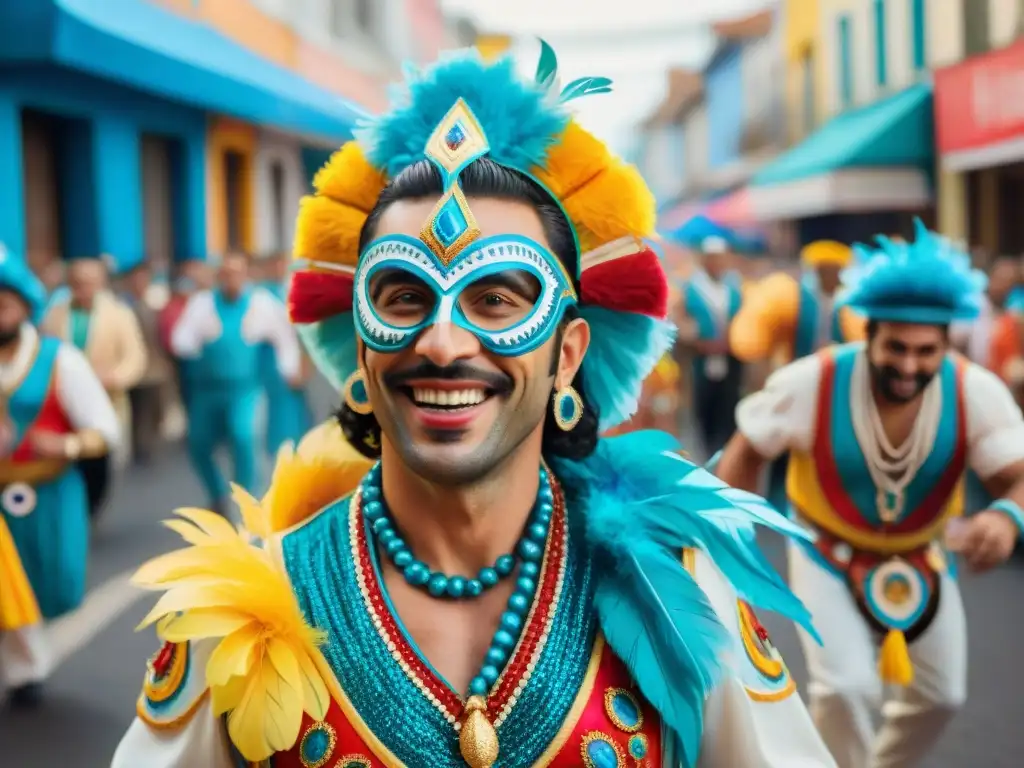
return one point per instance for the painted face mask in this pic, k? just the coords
(404, 284)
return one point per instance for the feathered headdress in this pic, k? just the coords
(622, 290)
(928, 281)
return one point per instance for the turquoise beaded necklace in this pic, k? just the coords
(529, 550)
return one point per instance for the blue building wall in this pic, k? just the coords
(723, 82)
(100, 171)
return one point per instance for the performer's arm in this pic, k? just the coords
(771, 422)
(755, 717)
(195, 326)
(86, 403)
(768, 312)
(995, 435)
(175, 726)
(272, 325)
(131, 365)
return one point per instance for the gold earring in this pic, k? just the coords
(568, 408)
(356, 396)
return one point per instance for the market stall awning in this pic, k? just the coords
(877, 157)
(733, 210)
(154, 50)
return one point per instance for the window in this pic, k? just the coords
(919, 43)
(976, 27)
(807, 80)
(365, 16)
(339, 18)
(353, 18)
(845, 61)
(233, 181)
(881, 75)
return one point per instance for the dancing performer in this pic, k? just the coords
(219, 334)
(880, 436)
(475, 276)
(53, 412)
(289, 415)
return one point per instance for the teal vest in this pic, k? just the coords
(712, 323)
(806, 340)
(230, 360)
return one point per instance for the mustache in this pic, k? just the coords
(498, 382)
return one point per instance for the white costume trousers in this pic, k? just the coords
(845, 686)
(24, 656)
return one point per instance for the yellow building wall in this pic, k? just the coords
(799, 38)
(227, 135)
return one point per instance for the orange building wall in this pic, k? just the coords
(230, 135)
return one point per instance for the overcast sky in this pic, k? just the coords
(633, 42)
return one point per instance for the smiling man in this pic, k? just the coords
(880, 436)
(502, 587)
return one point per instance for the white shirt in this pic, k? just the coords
(782, 416)
(265, 321)
(81, 395)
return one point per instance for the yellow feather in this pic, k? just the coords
(262, 671)
(234, 656)
(210, 523)
(202, 623)
(328, 231)
(349, 178)
(613, 204)
(253, 517)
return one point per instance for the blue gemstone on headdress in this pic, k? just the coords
(450, 223)
(315, 745)
(455, 136)
(602, 754)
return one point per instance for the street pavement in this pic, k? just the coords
(91, 697)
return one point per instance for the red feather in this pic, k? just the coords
(315, 296)
(634, 283)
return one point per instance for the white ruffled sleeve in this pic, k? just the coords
(995, 426)
(781, 416)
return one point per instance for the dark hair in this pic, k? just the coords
(485, 178)
(872, 329)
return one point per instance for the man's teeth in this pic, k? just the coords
(449, 398)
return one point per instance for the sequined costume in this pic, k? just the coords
(621, 645)
(878, 580)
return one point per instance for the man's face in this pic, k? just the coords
(451, 409)
(717, 264)
(234, 273)
(828, 277)
(904, 358)
(1004, 278)
(86, 278)
(13, 312)
(139, 280)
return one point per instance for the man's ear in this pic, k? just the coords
(575, 340)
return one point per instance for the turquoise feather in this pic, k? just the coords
(547, 67)
(585, 86)
(644, 505)
(624, 348)
(332, 346)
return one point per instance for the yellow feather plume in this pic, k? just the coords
(349, 179)
(263, 672)
(328, 231)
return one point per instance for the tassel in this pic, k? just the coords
(478, 740)
(894, 661)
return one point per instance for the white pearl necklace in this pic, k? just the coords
(892, 468)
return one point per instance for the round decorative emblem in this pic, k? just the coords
(896, 593)
(599, 750)
(19, 499)
(317, 746)
(623, 709)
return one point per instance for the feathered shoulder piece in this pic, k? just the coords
(224, 588)
(644, 505)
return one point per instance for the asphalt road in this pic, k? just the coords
(91, 696)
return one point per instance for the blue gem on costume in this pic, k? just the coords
(600, 751)
(450, 223)
(455, 137)
(638, 746)
(623, 709)
(317, 745)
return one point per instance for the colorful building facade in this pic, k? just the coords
(198, 128)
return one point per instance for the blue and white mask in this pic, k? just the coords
(508, 290)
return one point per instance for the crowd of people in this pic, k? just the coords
(97, 369)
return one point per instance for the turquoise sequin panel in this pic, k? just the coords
(324, 578)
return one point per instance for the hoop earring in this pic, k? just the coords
(568, 408)
(356, 396)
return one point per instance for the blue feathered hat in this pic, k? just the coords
(621, 288)
(927, 282)
(16, 276)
